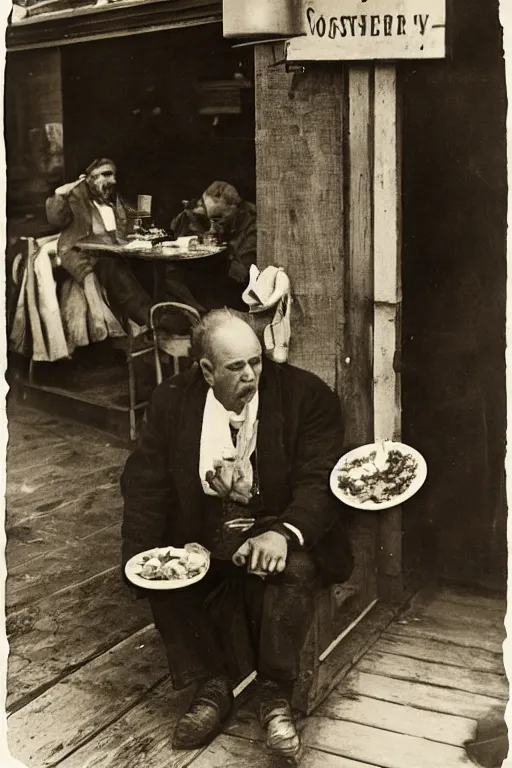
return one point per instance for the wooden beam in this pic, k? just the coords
(355, 355)
(387, 298)
(92, 23)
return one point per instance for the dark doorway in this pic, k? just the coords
(454, 275)
(141, 100)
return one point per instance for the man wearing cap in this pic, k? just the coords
(90, 209)
(219, 280)
(263, 511)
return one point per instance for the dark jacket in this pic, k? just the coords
(218, 281)
(242, 243)
(73, 215)
(300, 438)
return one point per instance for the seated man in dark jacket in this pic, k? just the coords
(284, 428)
(217, 281)
(90, 209)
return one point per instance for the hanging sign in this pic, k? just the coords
(361, 30)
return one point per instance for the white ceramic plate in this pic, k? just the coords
(133, 566)
(364, 451)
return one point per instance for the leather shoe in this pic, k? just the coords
(204, 718)
(277, 720)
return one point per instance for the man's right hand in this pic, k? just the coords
(65, 189)
(264, 554)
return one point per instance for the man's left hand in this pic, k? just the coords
(265, 553)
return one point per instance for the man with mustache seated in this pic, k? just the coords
(235, 454)
(90, 209)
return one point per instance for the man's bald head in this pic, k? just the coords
(229, 353)
(219, 327)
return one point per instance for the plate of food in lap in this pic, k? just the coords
(168, 567)
(378, 475)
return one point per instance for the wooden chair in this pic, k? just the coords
(130, 344)
(133, 350)
(174, 345)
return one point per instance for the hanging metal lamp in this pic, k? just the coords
(268, 19)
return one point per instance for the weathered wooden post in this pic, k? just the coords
(387, 302)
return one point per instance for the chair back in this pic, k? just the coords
(191, 313)
(175, 345)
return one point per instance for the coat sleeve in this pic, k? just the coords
(244, 252)
(313, 509)
(146, 483)
(58, 212)
(76, 263)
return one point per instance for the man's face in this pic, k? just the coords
(220, 213)
(234, 368)
(197, 216)
(102, 182)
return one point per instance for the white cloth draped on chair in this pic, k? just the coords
(49, 329)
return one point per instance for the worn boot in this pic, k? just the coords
(204, 719)
(277, 720)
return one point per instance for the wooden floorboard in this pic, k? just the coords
(442, 675)
(421, 695)
(388, 716)
(50, 638)
(394, 641)
(378, 747)
(466, 597)
(47, 523)
(55, 487)
(31, 457)
(409, 720)
(472, 616)
(448, 631)
(232, 752)
(82, 705)
(142, 737)
(90, 508)
(63, 568)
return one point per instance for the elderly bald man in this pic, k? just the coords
(90, 209)
(284, 429)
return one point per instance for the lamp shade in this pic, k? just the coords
(263, 18)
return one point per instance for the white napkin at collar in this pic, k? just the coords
(216, 440)
(266, 290)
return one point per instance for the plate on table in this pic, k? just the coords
(168, 567)
(199, 252)
(378, 475)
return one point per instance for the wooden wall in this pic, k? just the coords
(299, 120)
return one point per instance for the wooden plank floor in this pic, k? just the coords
(87, 679)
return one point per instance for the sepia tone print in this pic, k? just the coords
(255, 301)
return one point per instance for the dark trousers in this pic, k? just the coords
(124, 291)
(205, 285)
(203, 635)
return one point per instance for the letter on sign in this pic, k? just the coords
(362, 30)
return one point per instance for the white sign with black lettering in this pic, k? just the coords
(370, 30)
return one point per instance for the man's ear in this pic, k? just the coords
(207, 369)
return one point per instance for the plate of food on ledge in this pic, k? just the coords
(168, 567)
(378, 475)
